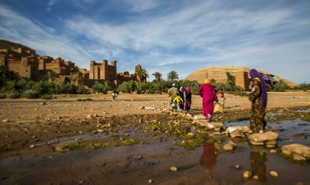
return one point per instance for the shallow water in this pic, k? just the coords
(117, 165)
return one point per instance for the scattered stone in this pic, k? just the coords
(274, 173)
(31, 146)
(247, 174)
(298, 157)
(269, 139)
(5, 120)
(228, 147)
(273, 151)
(302, 151)
(150, 181)
(173, 169)
(237, 166)
(255, 177)
(137, 157)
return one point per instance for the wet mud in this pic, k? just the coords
(141, 149)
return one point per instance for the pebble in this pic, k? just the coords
(150, 181)
(173, 169)
(274, 173)
(247, 174)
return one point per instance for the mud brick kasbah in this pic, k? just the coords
(27, 63)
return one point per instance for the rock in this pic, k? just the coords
(228, 147)
(199, 117)
(267, 136)
(173, 169)
(257, 143)
(299, 149)
(247, 174)
(150, 181)
(5, 120)
(237, 166)
(31, 146)
(255, 177)
(273, 151)
(274, 173)
(237, 133)
(298, 157)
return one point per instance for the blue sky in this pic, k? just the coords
(164, 36)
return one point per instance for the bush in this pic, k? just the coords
(30, 94)
(47, 96)
(13, 95)
(280, 86)
(99, 88)
(81, 90)
(2, 95)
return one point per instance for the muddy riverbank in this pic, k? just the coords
(133, 140)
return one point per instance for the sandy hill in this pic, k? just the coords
(218, 73)
(4, 44)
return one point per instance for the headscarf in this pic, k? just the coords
(206, 81)
(255, 74)
(181, 89)
(187, 90)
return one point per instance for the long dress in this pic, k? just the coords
(257, 117)
(208, 94)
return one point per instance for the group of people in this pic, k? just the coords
(180, 99)
(258, 98)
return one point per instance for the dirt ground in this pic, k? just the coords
(27, 121)
(29, 125)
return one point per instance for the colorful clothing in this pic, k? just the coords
(208, 94)
(187, 99)
(258, 97)
(178, 101)
(208, 159)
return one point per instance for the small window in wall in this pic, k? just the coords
(26, 70)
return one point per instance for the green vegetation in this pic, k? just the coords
(87, 99)
(12, 86)
(113, 140)
(190, 142)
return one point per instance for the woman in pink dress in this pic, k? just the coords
(208, 94)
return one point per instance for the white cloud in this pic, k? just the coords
(165, 36)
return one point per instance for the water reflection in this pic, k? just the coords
(257, 160)
(208, 158)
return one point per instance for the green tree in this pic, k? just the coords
(280, 86)
(158, 76)
(51, 76)
(231, 81)
(172, 75)
(6, 75)
(142, 74)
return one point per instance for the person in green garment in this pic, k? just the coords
(258, 98)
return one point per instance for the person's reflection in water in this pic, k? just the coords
(258, 166)
(208, 158)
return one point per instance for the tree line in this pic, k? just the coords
(13, 86)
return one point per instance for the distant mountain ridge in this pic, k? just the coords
(218, 73)
(5, 44)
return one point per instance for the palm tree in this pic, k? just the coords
(231, 80)
(142, 75)
(51, 75)
(157, 76)
(172, 75)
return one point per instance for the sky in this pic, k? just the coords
(164, 36)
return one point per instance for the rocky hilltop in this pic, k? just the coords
(218, 73)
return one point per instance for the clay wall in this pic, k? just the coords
(242, 80)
